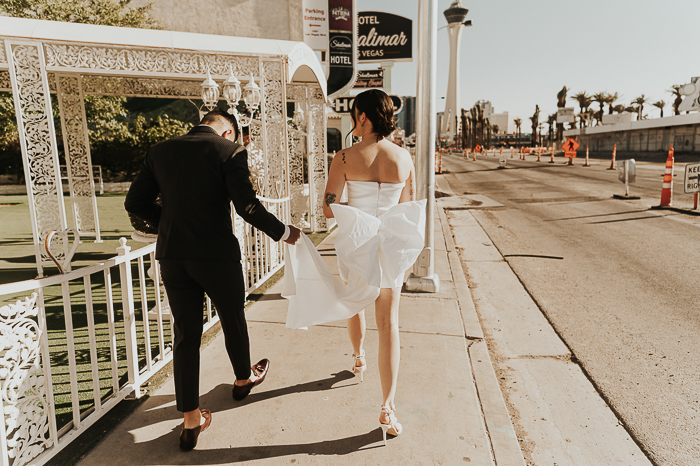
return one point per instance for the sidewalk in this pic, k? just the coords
(313, 410)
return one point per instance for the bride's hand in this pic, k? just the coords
(294, 234)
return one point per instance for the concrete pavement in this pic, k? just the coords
(312, 410)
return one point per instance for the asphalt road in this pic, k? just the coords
(618, 281)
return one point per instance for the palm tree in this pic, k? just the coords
(611, 100)
(660, 104)
(640, 101)
(489, 130)
(601, 99)
(619, 108)
(584, 100)
(551, 121)
(535, 119)
(518, 122)
(676, 90)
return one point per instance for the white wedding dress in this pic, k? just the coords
(378, 240)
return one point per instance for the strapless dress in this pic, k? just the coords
(378, 240)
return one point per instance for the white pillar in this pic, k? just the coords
(423, 277)
(454, 30)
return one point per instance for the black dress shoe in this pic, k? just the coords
(260, 370)
(188, 437)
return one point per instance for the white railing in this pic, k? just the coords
(262, 256)
(129, 342)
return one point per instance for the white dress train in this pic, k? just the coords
(378, 240)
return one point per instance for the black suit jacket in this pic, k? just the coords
(197, 175)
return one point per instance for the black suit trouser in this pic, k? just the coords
(186, 281)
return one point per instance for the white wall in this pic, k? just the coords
(265, 19)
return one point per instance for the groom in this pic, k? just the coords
(197, 175)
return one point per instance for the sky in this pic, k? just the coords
(520, 53)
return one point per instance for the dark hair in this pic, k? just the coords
(218, 115)
(378, 108)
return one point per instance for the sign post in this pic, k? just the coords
(570, 147)
(627, 173)
(691, 184)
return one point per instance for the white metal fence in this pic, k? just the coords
(97, 334)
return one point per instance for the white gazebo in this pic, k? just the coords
(287, 157)
(38, 58)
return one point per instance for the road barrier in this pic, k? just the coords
(586, 163)
(667, 186)
(613, 165)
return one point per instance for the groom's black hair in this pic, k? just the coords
(217, 115)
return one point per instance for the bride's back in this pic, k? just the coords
(383, 162)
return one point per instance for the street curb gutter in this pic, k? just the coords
(504, 442)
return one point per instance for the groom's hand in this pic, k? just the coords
(294, 234)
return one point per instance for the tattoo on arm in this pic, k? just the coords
(410, 189)
(330, 198)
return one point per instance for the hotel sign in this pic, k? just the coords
(342, 48)
(344, 104)
(384, 36)
(369, 79)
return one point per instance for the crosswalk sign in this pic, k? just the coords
(570, 147)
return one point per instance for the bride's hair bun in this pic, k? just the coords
(378, 108)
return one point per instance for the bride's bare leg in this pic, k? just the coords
(356, 330)
(387, 315)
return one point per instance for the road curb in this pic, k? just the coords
(504, 441)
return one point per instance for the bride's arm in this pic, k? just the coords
(408, 193)
(335, 184)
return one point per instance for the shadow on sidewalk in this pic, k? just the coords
(164, 449)
(232, 455)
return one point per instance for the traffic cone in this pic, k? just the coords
(539, 153)
(586, 164)
(551, 157)
(501, 154)
(512, 152)
(613, 165)
(667, 186)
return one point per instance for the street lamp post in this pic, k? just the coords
(423, 277)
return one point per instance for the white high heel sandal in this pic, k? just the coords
(393, 428)
(362, 367)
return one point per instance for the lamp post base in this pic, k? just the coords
(429, 284)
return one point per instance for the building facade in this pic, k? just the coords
(264, 19)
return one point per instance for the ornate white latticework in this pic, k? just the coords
(23, 389)
(142, 61)
(82, 188)
(274, 115)
(3, 58)
(318, 165)
(256, 156)
(299, 202)
(5, 85)
(140, 87)
(41, 160)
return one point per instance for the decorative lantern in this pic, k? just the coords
(210, 92)
(232, 91)
(251, 94)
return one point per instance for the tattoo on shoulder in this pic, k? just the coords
(330, 198)
(343, 154)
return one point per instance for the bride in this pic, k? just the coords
(380, 234)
